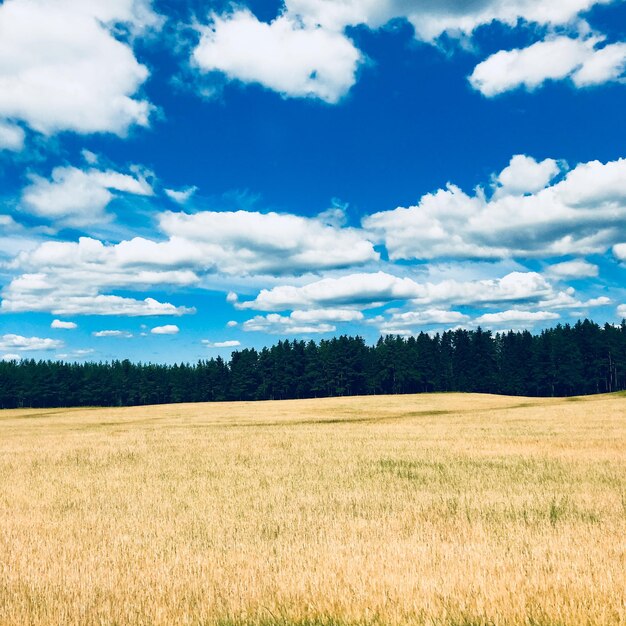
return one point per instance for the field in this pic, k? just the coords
(442, 510)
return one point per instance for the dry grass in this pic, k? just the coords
(446, 510)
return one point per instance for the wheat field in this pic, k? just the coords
(442, 510)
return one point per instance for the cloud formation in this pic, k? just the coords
(28, 344)
(412, 322)
(11, 137)
(168, 329)
(75, 197)
(581, 213)
(119, 334)
(577, 268)
(275, 324)
(515, 317)
(581, 60)
(61, 325)
(247, 242)
(364, 291)
(221, 344)
(432, 18)
(284, 55)
(305, 51)
(62, 68)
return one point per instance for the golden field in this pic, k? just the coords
(442, 510)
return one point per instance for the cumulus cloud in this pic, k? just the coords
(247, 242)
(285, 55)
(580, 213)
(556, 58)
(515, 317)
(372, 290)
(433, 18)
(76, 354)
(10, 357)
(76, 197)
(11, 137)
(181, 196)
(621, 311)
(285, 325)
(60, 324)
(119, 334)
(169, 329)
(305, 322)
(360, 290)
(305, 50)
(568, 300)
(577, 268)
(7, 223)
(70, 278)
(410, 322)
(62, 68)
(67, 278)
(619, 250)
(26, 344)
(23, 296)
(221, 344)
(525, 175)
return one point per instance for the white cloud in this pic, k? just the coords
(246, 242)
(24, 344)
(305, 322)
(604, 65)
(7, 223)
(76, 354)
(556, 58)
(59, 324)
(10, 357)
(11, 137)
(284, 55)
(281, 325)
(76, 197)
(432, 18)
(121, 334)
(371, 290)
(577, 268)
(69, 278)
(567, 300)
(169, 329)
(63, 69)
(515, 317)
(181, 196)
(221, 344)
(621, 311)
(20, 299)
(327, 315)
(525, 175)
(408, 322)
(232, 324)
(582, 213)
(360, 290)
(91, 158)
(305, 50)
(619, 250)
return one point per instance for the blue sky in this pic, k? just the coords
(178, 179)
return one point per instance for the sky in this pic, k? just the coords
(178, 180)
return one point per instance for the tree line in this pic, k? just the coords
(567, 360)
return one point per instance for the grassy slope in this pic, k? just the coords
(450, 510)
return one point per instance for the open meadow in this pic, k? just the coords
(442, 510)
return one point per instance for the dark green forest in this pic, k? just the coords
(563, 361)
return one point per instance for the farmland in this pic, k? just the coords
(442, 510)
